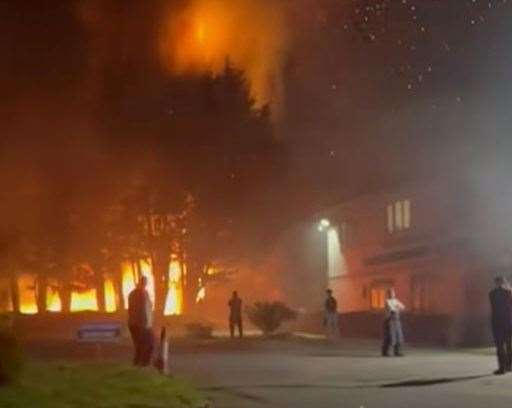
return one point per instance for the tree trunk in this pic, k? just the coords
(160, 268)
(100, 293)
(136, 272)
(183, 287)
(65, 298)
(15, 293)
(42, 287)
(118, 287)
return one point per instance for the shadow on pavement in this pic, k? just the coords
(433, 381)
(408, 383)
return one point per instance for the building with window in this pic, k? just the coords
(439, 245)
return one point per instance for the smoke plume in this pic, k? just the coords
(250, 34)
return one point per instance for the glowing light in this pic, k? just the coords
(27, 294)
(53, 301)
(251, 35)
(201, 33)
(110, 296)
(336, 263)
(130, 279)
(85, 300)
(323, 224)
(174, 301)
(201, 295)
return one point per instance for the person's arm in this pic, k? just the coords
(400, 306)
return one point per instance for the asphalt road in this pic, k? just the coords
(259, 373)
(316, 375)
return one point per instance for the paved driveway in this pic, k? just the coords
(296, 375)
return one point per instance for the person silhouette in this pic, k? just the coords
(235, 315)
(500, 299)
(140, 323)
(331, 317)
(393, 334)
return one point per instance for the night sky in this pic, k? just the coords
(374, 93)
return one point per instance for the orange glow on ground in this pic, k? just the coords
(84, 301)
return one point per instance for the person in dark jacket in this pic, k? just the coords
(501, 321)
(140, 323)
(235, 315)
(331, 316)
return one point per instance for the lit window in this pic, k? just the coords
(391, 219)
(378, 293)
(406, 210)
(399, 215)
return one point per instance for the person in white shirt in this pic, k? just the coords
(393, 334)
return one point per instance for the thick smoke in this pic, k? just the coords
(250, 34)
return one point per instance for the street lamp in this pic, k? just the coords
(323, 224)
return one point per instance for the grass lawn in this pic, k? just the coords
(59, 385)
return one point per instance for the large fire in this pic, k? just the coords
(27, 293)
(250, 33)
(84, 300)
(174, 301)
(87, 298)
(53, 302)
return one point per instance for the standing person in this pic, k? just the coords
(235, 315)
(501, 321)
(140, 322)
(331, 318)
(393, 334)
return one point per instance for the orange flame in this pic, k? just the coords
(84, 301)
(174, 301)
(251, 34)
(27, 294)
(110, 296)
(53, 302)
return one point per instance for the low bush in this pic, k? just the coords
(268, 316)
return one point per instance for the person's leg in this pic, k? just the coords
(397, 349)
(147, 347)
(499, 341)
(231, 328)
(240, 328)
(331, 325)
(135, 334)
(508, 348)
(336, 326)
(397, 338)
(386, 338)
